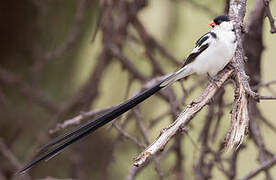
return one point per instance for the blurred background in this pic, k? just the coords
(60, 58)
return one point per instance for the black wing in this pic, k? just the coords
(201, 45)
(193, 55)
(202, 39)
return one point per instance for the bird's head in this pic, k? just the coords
(223, 22)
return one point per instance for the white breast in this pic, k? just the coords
(220, 51)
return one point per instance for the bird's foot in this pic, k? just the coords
(213, 80)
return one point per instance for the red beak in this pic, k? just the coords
(212, 23)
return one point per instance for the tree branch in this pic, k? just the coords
(266, 165)
(269, 16)
(184, 118)
(240, 117)
(78, 119)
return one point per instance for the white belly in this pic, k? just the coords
(214, 58)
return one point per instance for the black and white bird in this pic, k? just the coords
(212, 53)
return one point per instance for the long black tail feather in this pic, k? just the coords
(90, 126)
(74, 131)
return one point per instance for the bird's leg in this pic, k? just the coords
(212, 80)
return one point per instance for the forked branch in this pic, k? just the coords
(184, 118)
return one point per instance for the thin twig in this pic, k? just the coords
(267, 97)
(184, 118)
(69, 42)
(36, 95)
(11, 158)
(78, 119)
(146, 139)
(266, 165)
(127, 136)
(265, 84)
(270, 17)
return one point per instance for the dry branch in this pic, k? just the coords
(237, 13)
(127, 136)
(78, 119)
(265, 84)
(86, 95)
(266, 165)
(239, 118)
(14, 81)
(11, 158)
(269, 16)
(167, 133)
(116, 17)
(72, 37)
(267, 97)
(253, 37)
